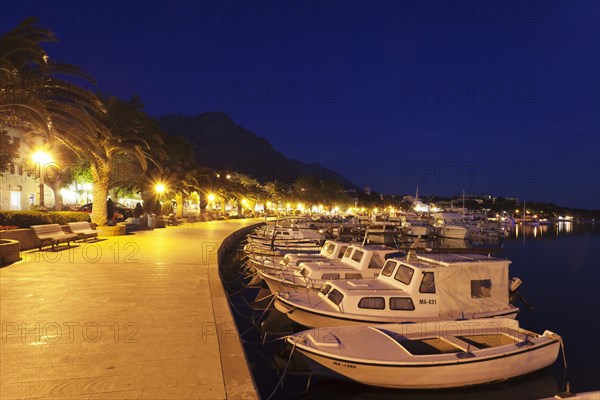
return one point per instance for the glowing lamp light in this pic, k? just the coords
(244, 201)
(41, 157)
(160, 188)
(211, 197)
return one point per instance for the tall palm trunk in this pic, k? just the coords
(58, 199)
(179, 199)
(100, 174)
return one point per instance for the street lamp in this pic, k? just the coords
(160, 188)
(42, 158)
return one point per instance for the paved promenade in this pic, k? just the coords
(140, 316)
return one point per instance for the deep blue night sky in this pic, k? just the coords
(489, 97)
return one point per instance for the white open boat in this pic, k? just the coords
(430, 355)
(418, 288)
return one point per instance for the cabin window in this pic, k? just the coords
(348, 252)
(404, 274)
(342, 251)
(353, 275)
(481, 288)
(372, 303)
(357, 255)
(336, 297)
(330, 248)
(330, 276)
(377, 261)
(325, 289)
(388, 268)
(401, 303)
(428, 283)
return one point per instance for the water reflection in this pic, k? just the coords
(565, 227)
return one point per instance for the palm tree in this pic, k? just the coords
(129, 132)
(32, 97)
(278, 192)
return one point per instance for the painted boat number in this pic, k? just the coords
(425, 301)
(344, 364)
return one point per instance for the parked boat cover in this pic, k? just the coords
(479, 287)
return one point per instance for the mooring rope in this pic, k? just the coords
(283, 374)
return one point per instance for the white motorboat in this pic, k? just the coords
(381, 233)
(331, 250)
(450, 225)
(431, 355)
(413, 226)
(358, 262)
(417, 288)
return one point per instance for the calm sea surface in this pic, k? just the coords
(560, 268)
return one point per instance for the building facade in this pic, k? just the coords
(20, 183)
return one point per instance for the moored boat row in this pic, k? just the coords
(365, 302)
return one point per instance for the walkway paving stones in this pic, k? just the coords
(141, 316)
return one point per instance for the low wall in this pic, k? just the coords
(234, 238)
(26, 237)
(10, 251)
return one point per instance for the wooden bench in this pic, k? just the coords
(52, 233)
(83, 230)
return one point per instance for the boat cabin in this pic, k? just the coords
(437, 285)
(331, 250)
(358, 262)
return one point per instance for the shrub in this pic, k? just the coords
(24, 219)
(64, 217)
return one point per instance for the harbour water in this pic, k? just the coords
(560, 267)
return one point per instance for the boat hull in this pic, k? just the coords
(452, 232)
(432, 376)
(308, 318)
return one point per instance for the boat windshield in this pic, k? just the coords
(336, 297)
(325, 289)
(404, 274)
(388, 268)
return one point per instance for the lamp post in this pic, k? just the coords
(42, 158)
